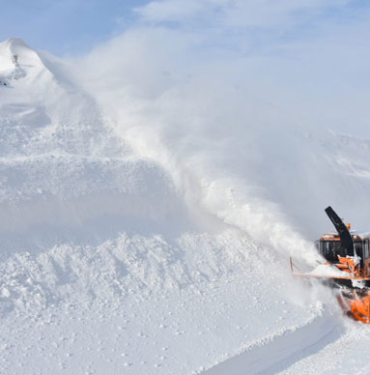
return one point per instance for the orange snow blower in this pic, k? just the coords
(347, 268)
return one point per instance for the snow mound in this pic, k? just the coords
(135, 228)
(60, 165)
(19, 61)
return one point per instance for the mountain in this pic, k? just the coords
(141, 235)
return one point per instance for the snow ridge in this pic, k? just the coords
(135, 225)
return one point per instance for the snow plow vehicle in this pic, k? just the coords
(347, 267)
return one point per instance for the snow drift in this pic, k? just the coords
(148, 212)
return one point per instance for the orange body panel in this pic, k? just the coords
(356, 306)
(360, 308)
(348, 265)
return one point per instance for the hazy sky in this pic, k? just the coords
(76, 26)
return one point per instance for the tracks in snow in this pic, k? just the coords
(273, 354)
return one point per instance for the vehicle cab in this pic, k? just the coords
(355, 259)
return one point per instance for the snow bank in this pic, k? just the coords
(148, 210)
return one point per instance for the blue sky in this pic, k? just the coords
(65, 27)
(70, 27)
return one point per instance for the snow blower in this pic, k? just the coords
(347, 267)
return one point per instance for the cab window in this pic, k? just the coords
(366, 249)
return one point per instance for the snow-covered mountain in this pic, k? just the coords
(151, 234)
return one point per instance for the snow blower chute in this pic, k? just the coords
(347, 267)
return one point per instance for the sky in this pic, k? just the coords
(65, 27)
(307, 56)
(68, 27)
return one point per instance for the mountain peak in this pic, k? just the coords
(18, 60)
(14, 46)
(16, 42)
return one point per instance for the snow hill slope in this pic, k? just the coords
(128, 247)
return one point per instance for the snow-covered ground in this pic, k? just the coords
(146, 225)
